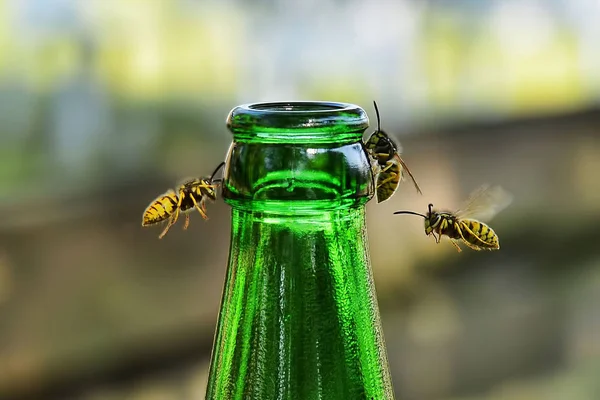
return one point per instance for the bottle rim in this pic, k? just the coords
(298, 121)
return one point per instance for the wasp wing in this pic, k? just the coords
(405, 169)
(484, 203)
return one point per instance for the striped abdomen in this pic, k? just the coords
(479, 234)
(160, 209)
(388, 180)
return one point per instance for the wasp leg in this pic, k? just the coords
(200, 209)
(465, 241)
(383, 182)
(164, 232)
(455, 245)
(472, 245)
(437, 238)
(375, 167)
(187, 221)
(387, 166)
(172, 220)
(208, 185)
(379, 156)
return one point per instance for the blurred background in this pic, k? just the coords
(104, 104)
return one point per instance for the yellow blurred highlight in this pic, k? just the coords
(155, 52)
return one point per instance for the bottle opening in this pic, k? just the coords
(300, 122)
(300, 107)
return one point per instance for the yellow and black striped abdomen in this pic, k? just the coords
(160, 209)
(479, 234)
(388, 180)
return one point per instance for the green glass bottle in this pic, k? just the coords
(299, 316)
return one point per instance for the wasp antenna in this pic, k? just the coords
(430, 208)
(217, 170)
(377, 113)
(411, 213)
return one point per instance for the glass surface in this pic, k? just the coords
(299, 316)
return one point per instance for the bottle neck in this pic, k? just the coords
(297, 178)
(299, 319)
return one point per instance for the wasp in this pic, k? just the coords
(466, 223)
(388, 166)
(190, 194)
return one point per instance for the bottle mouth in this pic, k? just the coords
(298, 121)
(300, 106)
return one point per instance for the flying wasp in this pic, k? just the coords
(388, 166)
(466, 223)
(191, 194)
